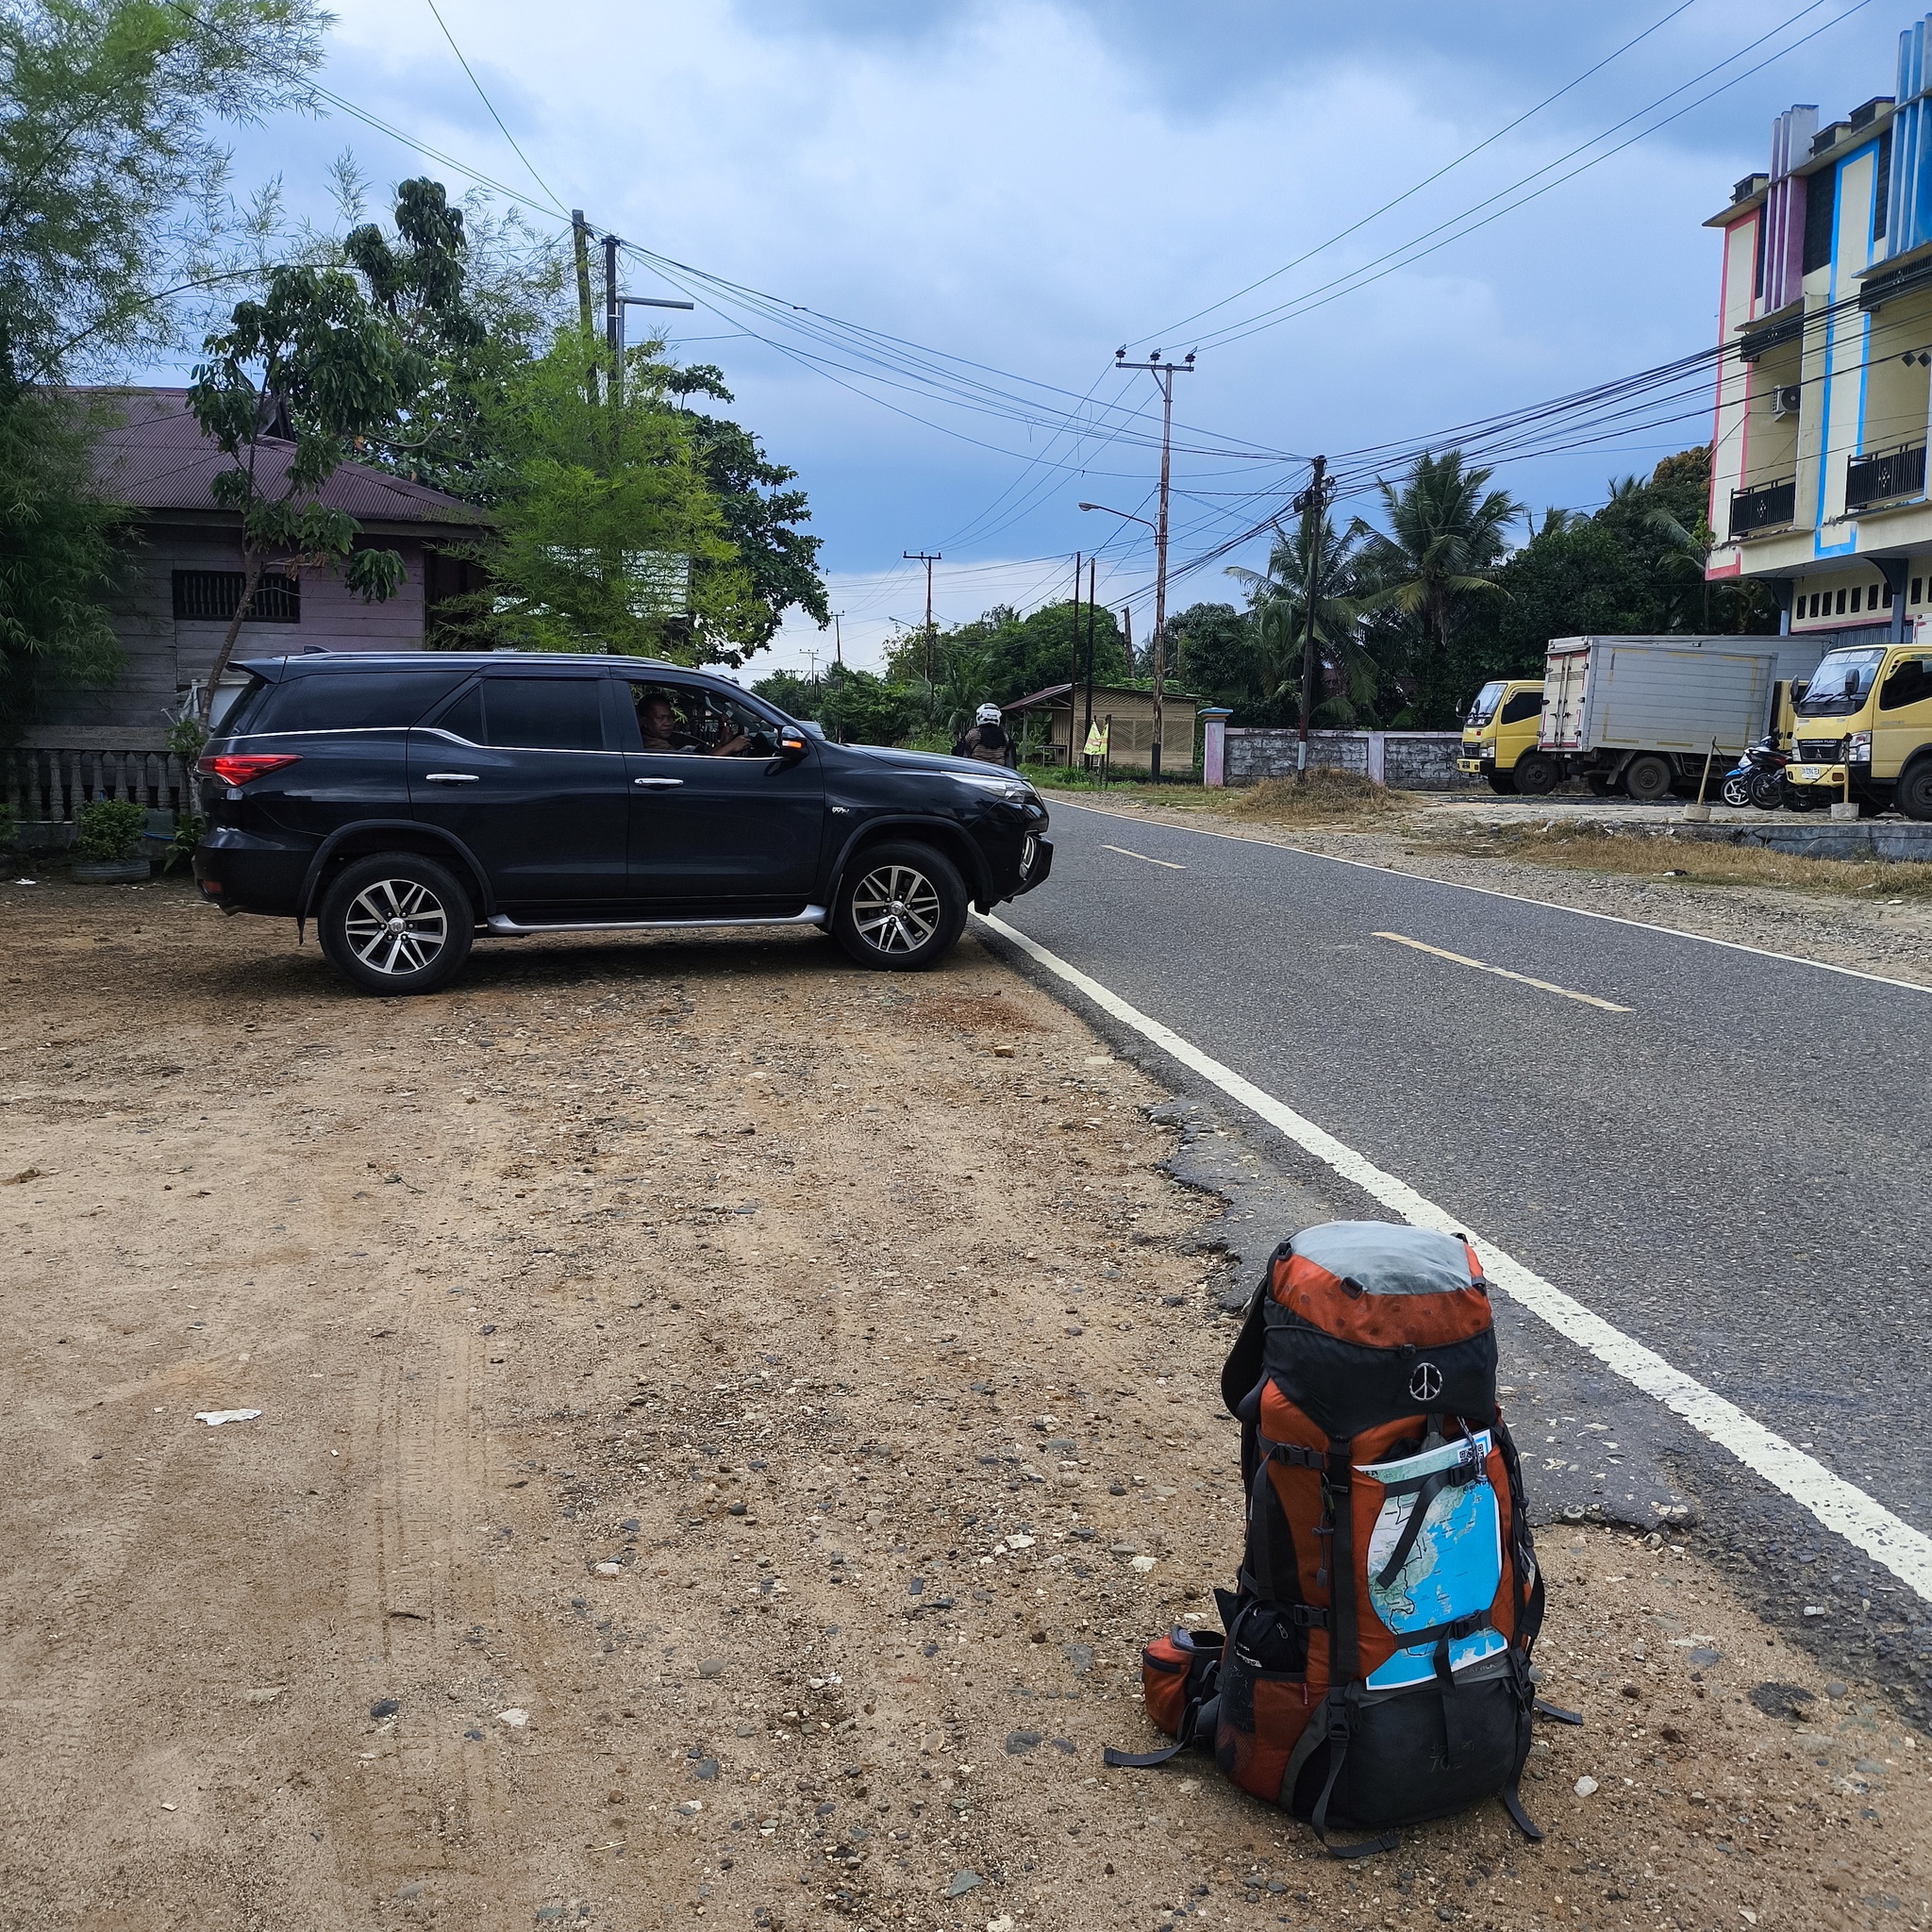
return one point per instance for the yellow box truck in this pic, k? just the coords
(1500, 728)
(1862, 729)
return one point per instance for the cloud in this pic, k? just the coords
(1026, 185)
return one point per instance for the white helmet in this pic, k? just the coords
(987, 714)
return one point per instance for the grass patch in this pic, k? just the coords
(1695, 862)
(1327, 797)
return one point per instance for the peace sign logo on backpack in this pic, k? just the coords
(1426, 1383)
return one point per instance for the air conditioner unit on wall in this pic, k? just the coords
(1785, 399)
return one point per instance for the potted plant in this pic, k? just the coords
(107, 842)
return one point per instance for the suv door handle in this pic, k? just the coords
(658, 784)
(450, 778)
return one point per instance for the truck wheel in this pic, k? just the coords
(1535, 773)
(1914, 794)
(396, 923)
(1647, 777)
(1503, 784)
(899, 908)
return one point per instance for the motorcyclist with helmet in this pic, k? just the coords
(988, 740)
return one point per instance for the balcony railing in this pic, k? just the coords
(1763, 507)
(1883, 476)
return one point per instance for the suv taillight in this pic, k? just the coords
(238, 768)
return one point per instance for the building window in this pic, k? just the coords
(1918, 583)
(1819, 195)
(1888, 598)
(1840, 603)
(1856, 589)
(1814, 603)
(211, 596)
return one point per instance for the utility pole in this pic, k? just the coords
(1163, 373)
(1074, 665)
(614, 305)
(837, 640)
(922, 557)
(580, 244)
(1091, 564)
(1312, 502)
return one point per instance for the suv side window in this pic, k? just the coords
(1909, 683)
(1526, 703)
(543, 713)
(691, 721)
(349, 701)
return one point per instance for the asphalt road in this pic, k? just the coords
(1734, 1171)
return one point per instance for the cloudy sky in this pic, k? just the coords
(917, 234)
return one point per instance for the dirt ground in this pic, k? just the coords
(1875, 917)
(728, 1423)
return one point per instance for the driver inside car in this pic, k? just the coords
(658, 721)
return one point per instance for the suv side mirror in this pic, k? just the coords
(791, 745)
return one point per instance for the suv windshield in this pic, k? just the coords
(1484, 708)
(1840, 684)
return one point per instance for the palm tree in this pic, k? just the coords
(1312, 552)
(1447, 534)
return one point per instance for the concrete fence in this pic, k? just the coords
(1409, 760)
(41, 785)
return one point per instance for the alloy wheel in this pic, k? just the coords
(395, 926)
(896, 909)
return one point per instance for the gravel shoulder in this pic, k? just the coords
(728, 1423)
(1433, 840)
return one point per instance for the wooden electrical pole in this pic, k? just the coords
(1312, 505)
(1091, 563)
(1074, 664)
(1163, 373)
(580, 244)
(922, 557)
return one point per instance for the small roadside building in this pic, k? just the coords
(1057, 717)
(184, 571)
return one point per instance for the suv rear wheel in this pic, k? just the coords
(396, 923)
(899, 908)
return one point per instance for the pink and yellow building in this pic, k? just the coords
(1825, 376)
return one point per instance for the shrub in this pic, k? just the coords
(1326, 795)
(107, 830)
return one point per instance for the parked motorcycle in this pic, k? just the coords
(1759, 778)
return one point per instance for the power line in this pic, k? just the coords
(521, 156)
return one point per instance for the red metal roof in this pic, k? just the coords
(154, 457)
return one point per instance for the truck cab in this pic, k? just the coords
(1862, 729)
(1501, 726)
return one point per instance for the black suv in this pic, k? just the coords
(408, 801)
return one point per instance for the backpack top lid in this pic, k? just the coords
(1382, 1284)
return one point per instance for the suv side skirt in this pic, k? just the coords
(505, 927)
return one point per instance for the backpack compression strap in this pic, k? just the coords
(1198, 1722)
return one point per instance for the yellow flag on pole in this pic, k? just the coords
(1096, 740)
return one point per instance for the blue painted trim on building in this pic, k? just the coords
(1849, 547)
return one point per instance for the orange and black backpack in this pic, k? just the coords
(1375, 1669)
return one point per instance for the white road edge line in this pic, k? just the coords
(1588, 999)
(1841, 1507)
(1422, 878)
(1147, 857)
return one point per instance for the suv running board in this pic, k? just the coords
(504, 928)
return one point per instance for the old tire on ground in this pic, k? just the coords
(396, 923)
(1535, 773)
(899, 908)
(1647, 777)
(1914, 794)
(1503, 784)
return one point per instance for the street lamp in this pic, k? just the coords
(1126, 514)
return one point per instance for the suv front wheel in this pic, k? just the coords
(396, 923)
(899, 908)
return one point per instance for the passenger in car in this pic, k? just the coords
(658, 721)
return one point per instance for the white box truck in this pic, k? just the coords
(1639, 715)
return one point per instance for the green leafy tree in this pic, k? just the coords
(467, 296)
(312, 365)
(113, 191)
(1447, 536)
(1216, 656)
(762, 516)
(1017, 656)
(609, 535)
(1313, 554)
(59, 557)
